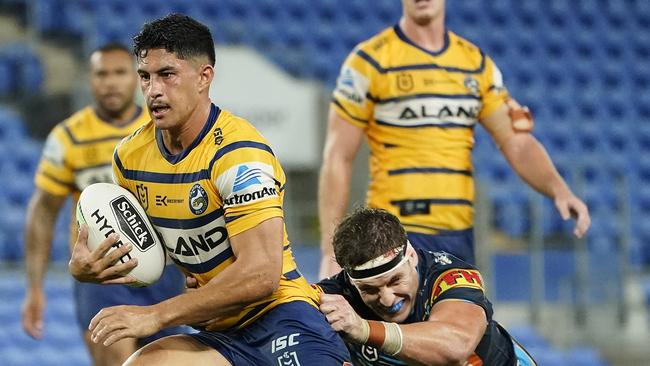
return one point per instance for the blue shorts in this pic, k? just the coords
(90, 298)
(457, 242)
(292, 334)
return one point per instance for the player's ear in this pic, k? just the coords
(206, 74)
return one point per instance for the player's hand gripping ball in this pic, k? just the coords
(108, 208)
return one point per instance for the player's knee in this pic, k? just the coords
(151, 354)
(117, 353)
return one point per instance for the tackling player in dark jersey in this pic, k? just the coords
(397, 305)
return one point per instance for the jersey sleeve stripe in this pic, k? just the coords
(239, 145)
(206, 266)
(429, 170)
(232, 218)
(342, 108)
(58, 181)
(292, 275)
(371, 61)
(74, 140)
(187, 223)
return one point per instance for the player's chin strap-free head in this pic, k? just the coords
(379, 266)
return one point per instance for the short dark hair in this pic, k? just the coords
(112, 46)
(366, 234)
(176, 33)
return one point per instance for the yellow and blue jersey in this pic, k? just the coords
(78, 152)
(226, 182)
(418, 109)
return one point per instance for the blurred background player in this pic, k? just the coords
(416, 91)
(394, 303)
(252, 306)
(77, 153)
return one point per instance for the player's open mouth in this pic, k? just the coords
(159, 111)
(395, 308)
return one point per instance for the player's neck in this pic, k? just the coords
(430, 36)
(118, 119)
(178, 139)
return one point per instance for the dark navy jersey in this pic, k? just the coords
(442, 277)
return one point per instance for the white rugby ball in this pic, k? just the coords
(107, 208)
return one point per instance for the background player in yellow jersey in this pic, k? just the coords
(77, 153)
(416, 90)
(224, 227)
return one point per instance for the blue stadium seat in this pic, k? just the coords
(27, 66)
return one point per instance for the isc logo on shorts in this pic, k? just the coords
(283, 342)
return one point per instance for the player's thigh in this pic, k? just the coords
(176, 350)
(115, 354)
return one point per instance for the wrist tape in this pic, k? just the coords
(385, 336)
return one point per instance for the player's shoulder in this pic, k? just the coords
(137, 140)
(79, 123)
(377, 44)
(231, 128)
(470, 51)
(437, 263)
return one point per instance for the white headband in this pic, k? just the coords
(381, 265)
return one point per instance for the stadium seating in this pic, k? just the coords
(21, 71)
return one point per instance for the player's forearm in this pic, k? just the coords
(436, 343)
(236, 287)
(39, 227)
(333, 196)
(532, 163)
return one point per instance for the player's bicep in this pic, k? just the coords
(464, 316)
(499, 125)
(343, 139)
(261, 246)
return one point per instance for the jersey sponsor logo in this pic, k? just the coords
(247, 182)
(454, 278)
(132, 224)
(289, 359)
(446, 111)
(198, 199)
(283, 342)
(430, 110)
(240, 199)
(246, 177)
(192, 245)
(352, 86)
(197, 245)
